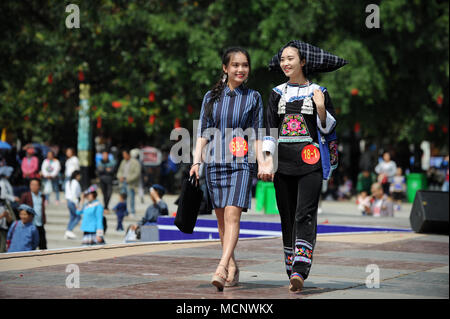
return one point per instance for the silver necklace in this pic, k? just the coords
(282, 102)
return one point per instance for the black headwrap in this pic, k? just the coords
(317, 60)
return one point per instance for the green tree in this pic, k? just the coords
(154, 61)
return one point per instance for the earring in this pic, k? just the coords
(224, 77)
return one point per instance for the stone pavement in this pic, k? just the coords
(335, 213)
(410, 265)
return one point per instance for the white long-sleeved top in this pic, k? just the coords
(50, 168)
(73, 191)
(72, 164)
(6, 190)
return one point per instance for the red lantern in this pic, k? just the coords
(190, 109)
(130, 119)
(151, 97)
(354, 92)
(177, 123)
(444, 129)
(431, 128)
(439, 100)
(151, 119)
(80, 76)
(50, 78)
(26, 117)
(116, 104)
(357, 127)
(99, 122)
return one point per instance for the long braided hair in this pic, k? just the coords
(218, 88)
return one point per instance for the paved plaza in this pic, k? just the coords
(345, 266)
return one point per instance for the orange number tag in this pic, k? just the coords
(238, 147)
(310, 154)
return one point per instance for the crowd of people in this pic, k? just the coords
(378, 192)
(23, 204)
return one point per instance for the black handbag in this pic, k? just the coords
(188, 205)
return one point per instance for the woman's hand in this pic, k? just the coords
(194, 170)
(319, 98)
(265, 169)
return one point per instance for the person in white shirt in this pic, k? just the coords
(73, 193)
(72, 164)
(50, 171)
(386, 170)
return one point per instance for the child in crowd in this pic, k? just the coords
(364, 202)
(92, 222)
(23, 235)
(398, 188)
(121, 210)
(345, 189)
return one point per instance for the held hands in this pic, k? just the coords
(265, 169)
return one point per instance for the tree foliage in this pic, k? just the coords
(149, 63)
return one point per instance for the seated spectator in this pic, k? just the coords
(159, 207)
(92, 222)
(363, 201)
(365, 181)
(398, 188)
(381, 205)
(345, 189)
(23, 235)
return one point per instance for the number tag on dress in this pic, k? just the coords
(307, 107)
(238, 147)
(310, 154)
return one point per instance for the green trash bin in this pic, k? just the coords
(415, 182)
(270, 206)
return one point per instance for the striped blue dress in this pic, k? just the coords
(236, 122)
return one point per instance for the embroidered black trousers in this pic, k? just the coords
(297, 200)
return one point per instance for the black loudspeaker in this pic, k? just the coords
(429, 213)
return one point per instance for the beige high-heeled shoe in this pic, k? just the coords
(220, 277)
(296, 282)
(233, 277)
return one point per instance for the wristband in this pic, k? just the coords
(195, 164)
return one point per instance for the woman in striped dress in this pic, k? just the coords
(230, 119)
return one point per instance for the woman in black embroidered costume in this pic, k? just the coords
(303, 114)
